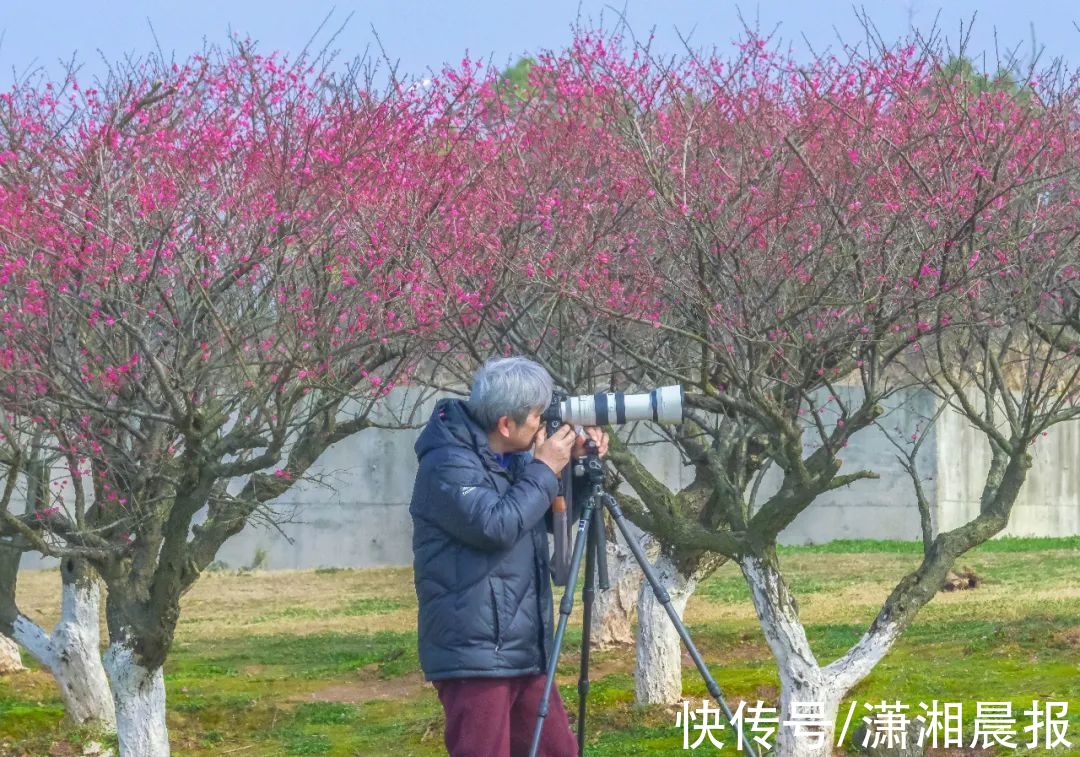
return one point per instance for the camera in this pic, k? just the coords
(661, 405)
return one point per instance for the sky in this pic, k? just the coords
(420, 35)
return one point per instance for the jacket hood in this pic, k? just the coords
(451, 425)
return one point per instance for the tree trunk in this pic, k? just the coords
(139, 694)
(810, 698)
(10, 660)
(72, 653)
(802, 682)
(614, 609)
(658, 678)
(76, 641)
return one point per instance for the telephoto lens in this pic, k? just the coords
(661, 405)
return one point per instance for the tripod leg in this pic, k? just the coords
(566, 606)
(665, 599)
(598, 539)
(588, 594)
(561, 511)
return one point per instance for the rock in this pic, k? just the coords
(960, 580)
(10, 660)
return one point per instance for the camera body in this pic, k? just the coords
(661, 405)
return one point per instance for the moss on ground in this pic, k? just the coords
(324, 662)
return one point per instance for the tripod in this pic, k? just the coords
(590, 541)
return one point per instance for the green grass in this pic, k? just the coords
(27, 727)
(327, 713)
(360, 607)
(732, 588)
(868, 546)
(345, 680)
(290, 657)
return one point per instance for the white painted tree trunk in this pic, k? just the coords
(804, 687)
(10, 659)
(614, 609)
(72, 654)
(860, 660)
(658, 678)
(807, 698)
(139, 694)
(78, 670)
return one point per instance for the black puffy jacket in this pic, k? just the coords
(480, 553)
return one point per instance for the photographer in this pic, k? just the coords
(480, 556)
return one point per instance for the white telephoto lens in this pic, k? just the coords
(580, 410)
(663, 405)
(669, 404)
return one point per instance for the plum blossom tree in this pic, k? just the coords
(788, 240)
(825, 225)
(215, 271)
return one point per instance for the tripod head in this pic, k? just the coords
(591, 469)
(590, 466)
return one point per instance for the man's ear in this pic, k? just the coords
(503, 426)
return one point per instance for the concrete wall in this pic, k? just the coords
(357, 513)
(1049, 502)
(363, 521)
(356, 530)
(882, 508)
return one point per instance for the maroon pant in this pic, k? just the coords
(496, 717)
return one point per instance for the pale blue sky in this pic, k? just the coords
(422, 34)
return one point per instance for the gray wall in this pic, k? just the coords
(356, 514)
(354, 529)
(363, 521)
(882, 508)
(1049, 502)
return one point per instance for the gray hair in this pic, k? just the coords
(512, 386)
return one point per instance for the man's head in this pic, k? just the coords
(508, 396)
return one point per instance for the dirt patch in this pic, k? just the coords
(723, 653)
(766, 692)
(256, 670)
(608, 665)
(370, 687)
(32, 684)
(621, 659)
(1069, 638)
(61, 748)
(357, 692)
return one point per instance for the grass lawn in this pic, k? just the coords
(324, 662)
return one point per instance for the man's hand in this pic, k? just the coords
(597, 435)
(555, 452)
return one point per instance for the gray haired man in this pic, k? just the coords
(480, 559)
